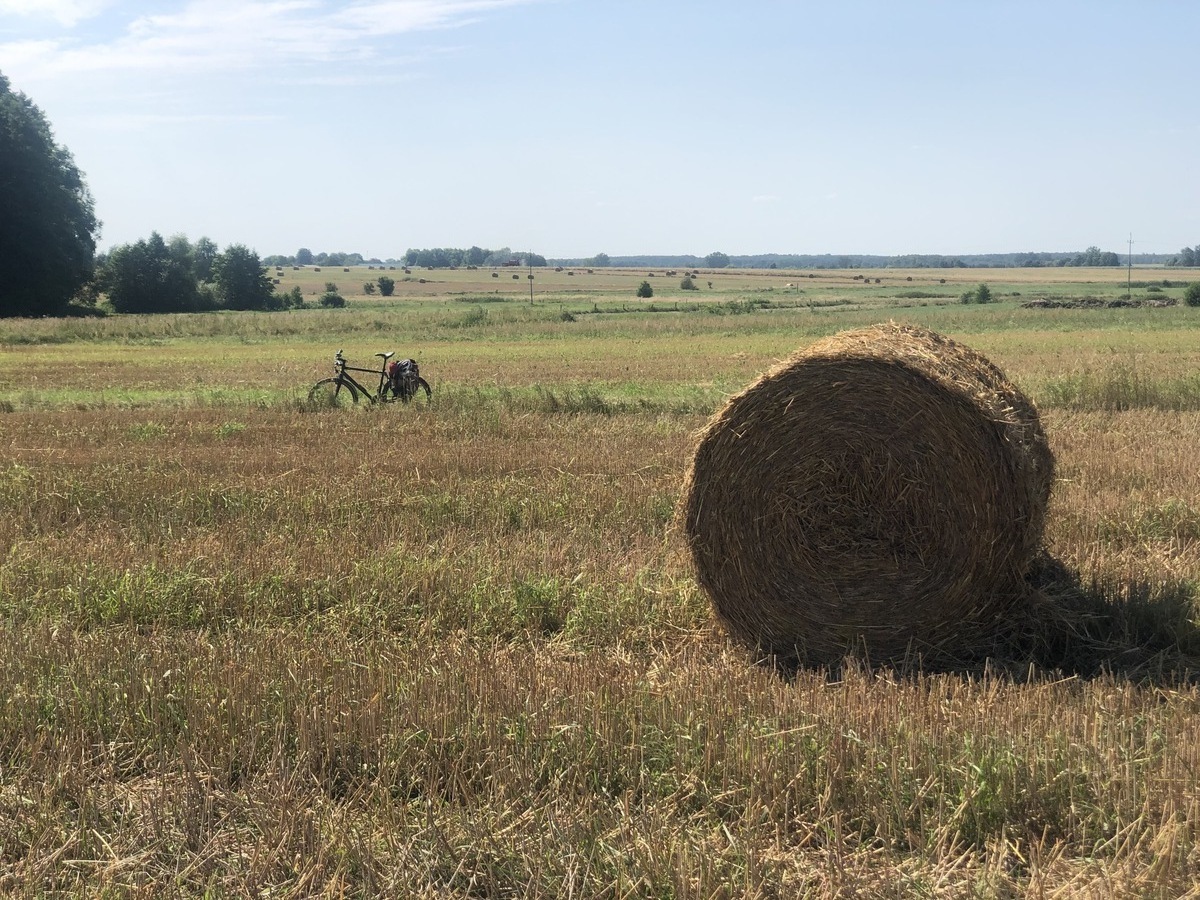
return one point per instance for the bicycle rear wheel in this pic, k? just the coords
(332, 393)
(413, 387)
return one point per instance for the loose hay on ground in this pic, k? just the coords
(882, 490)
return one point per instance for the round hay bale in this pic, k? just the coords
(882, 490)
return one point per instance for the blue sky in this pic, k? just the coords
(571, 127)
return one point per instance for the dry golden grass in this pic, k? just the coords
(446, 282)
(272, 762)
(468, 659)
(458, 651)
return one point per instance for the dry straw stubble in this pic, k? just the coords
(882, 490)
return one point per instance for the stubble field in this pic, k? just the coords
(251, 647)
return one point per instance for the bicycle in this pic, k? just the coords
(400, 380)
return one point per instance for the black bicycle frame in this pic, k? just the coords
(343, 368)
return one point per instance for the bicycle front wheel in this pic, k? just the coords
(332, 393)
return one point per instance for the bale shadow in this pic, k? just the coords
(1141, 630)
(1138, 631)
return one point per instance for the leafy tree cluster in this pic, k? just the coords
(1092, 256)
(48, 222)
(717, 260)
(1188, 257)
(157, 276)
(925, 261)
(305, 257)
(151, 276)
(1192, 295)
(447, 257)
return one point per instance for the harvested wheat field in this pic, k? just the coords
(250, 647)
(883, 489)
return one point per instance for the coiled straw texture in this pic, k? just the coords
(882, 491)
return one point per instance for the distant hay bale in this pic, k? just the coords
(882, 490)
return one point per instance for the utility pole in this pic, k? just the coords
(1129, 270)
(530, 259)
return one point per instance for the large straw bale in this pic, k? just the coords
(882, 490)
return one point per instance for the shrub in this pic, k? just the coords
(688, 285)
(368, 287)
(386, 285)
(1192, 295)
(644, 290)
(293, 299)
(332, 299)
(981, 294)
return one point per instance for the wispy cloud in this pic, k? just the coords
(65, 12)
(206, 35)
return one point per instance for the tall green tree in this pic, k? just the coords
(148, 277)
(204, 254)
(717, 260)
(48, 222)
(241, 280)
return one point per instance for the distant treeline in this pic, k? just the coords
(428, 257)
(1093, 256)
(450, 257)
(305, 257)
